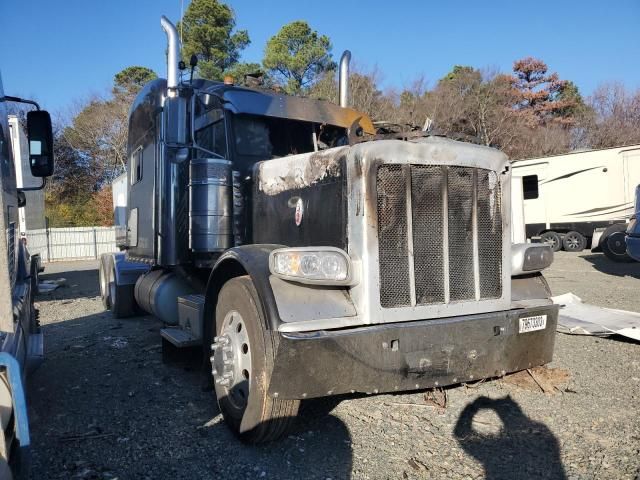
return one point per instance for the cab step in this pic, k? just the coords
(179, 338)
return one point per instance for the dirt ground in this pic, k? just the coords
(104, 406)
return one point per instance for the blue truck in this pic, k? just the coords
(21, 344)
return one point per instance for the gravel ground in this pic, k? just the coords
(104, 405)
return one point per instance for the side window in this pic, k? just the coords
(213, 138)
(530, 186)
(136, 166)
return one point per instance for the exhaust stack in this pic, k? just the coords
(343, 79)
(173, 52)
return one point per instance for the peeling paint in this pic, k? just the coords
(299, 171)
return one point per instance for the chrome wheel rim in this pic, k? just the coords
(573, 242)
(231, 359)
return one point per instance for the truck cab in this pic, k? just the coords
(309, 256)
(21, 344)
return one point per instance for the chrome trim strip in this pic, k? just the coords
(474, 226)
(412, 273)
(445, 232)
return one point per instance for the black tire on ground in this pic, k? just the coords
(104, 273)
(613, 245)
(261, 418)
(35, 279)
(574, 242)
(121, 298)
(553, 238)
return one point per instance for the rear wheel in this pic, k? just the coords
(613, 244)
(121, 298)
(243, 358)
(574, 242)
(552, 238)
(104, 275)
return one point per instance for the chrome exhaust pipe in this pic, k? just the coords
(173, 52)
(343, 79)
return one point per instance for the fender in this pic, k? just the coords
(252, 260)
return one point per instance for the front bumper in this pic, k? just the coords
(409, 355)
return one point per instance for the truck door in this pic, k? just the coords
(631, 161)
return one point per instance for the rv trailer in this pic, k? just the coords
(567, 197)
(308, 256)
(30, 215)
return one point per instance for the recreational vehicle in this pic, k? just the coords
(567, 197)
(31, 214)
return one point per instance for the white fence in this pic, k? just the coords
(71, 243)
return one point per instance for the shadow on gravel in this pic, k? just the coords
(79, 284)
(601, 263)
(518, 448)
(106, 404)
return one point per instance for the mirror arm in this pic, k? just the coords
(33, 189)
(8, 98)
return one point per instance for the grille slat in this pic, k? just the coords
(426, 187)
(392, 235)
(436, 191)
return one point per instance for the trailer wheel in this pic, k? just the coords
(242, 361)
(552, 238)
(613, 245)
(574, 242)
(104, 275)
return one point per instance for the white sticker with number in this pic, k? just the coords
(531, 324)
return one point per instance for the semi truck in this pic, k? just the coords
(21, 343)
(308, 256)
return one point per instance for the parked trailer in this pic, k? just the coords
(308, 257)
(567, 197)
(21, 345)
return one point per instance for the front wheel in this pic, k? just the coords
(613, 244)
(242, 360)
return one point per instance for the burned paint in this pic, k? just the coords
(299, 171)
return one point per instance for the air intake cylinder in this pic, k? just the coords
(210, 211)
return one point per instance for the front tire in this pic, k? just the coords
(613, 244)
(243, 358)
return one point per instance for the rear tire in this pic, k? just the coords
(574, 242)
(613, 245)
(104, 279)
(552, 238)
(243, 358)
(121, 297)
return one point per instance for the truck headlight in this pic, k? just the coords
(530, 257)
(315, 265)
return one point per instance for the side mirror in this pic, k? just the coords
(40, 136)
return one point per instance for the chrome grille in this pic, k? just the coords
(444, 226)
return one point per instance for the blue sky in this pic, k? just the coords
(59, 51)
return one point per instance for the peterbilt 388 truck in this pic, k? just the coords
(21, 343)
(309, 256)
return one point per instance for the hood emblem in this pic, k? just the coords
(299, 212)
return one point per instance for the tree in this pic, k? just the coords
(364, 93)
(539, 93)
(615, 117)
(130, 80)
(207, 29)
(297, 56)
